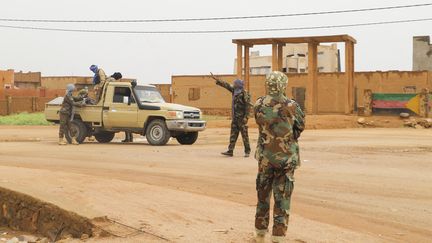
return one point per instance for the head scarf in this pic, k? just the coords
(94, 68)
(70, 88)
(276, 83)
(238, 86)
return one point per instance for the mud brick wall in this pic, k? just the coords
(332, 91)
(24, 213)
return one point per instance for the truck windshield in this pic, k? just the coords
(148, 95)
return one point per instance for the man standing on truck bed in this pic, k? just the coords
(240, 113)
(99, 79)
(66, 114)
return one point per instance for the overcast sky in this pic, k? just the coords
(154, 58)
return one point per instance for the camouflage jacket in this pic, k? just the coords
(280, 122)
(240, 102)
(68, 103)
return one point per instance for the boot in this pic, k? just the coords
(247, 155)
(278, 239)
(74, 141)
(62, 141)
(260, 236)
(228, 153)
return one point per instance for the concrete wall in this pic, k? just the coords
(422, 53)
(332, 91)
(391, 82)
(165, 90)
(60, 82)
(6, 78)
(29, 80)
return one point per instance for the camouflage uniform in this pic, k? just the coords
(280, 122)
(240, 114)
(66, 113)
(83, 95)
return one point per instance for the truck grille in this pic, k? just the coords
(191, 115)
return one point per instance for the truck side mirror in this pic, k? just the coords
(126, 100)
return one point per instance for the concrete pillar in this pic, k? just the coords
(239, 61)
(349, 72)
(274, 57)
(280, 57)
(312, 84)
(247, 68)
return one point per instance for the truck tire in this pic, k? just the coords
(104, 136)
(187, 138)
(157, 133)
(78, 130)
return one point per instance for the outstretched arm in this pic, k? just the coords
(222, 83)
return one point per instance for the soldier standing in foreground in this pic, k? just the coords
(66, 114)
(280, 122)
(240, 113)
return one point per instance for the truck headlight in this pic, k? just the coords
(175, 114)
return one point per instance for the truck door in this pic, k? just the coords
(120, 109)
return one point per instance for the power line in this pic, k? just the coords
(214, 31)
(218, 18)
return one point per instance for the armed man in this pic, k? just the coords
(280, 121)
(67, 114)
(99, 79)
(240, 114)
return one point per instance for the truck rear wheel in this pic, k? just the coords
(78, 130)
(157, 133)
(187, 138)
(104, 136)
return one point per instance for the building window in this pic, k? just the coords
(302, 70)
(194, 93)
(410, 89)
(320, 53)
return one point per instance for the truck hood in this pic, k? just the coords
(173, 107)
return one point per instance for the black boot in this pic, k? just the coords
(228, 153)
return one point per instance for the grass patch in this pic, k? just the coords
(32, 119)
(214, 118)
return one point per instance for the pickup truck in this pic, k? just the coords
(128, 107)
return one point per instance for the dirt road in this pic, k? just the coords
(355, 185)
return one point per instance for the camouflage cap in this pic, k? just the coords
(276, 83)
(83, 92)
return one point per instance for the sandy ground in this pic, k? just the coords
(355, 185)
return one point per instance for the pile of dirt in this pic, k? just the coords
(418, 123)
(24, 213)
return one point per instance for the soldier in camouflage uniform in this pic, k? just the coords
(280, 122)
(240, 115)
(66, 114)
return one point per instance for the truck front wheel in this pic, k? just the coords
(187, 138)
(104, 136)
(157, 133)
(78, 130)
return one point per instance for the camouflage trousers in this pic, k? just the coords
(64, 124)
(238, 127)
(276, 180)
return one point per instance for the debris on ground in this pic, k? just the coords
(404, 115)
(418, 124)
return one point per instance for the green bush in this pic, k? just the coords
(33, 119)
